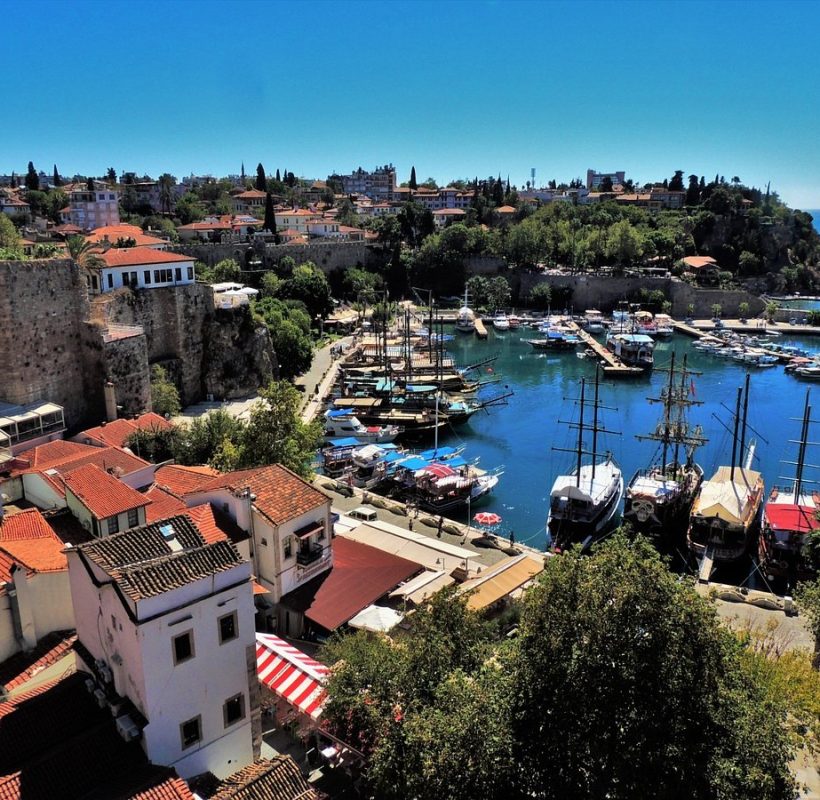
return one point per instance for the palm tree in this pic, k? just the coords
(84, 253)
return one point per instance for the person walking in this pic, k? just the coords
(440, 526)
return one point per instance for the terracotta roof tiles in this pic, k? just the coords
(277, 779)
(137, 256)
(102, 494)
(116, 433)
(163, 505)
(22, 667)
(281, 494)
(180, 480)
(28, 540)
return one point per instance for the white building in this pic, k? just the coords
(34, 591)
(14, 207)
(380, 184)
(595, 179)
(324, 228)
(141, 268)
(287, 518)
(89, 209)
(443, 216)
(165, 619)
(297, 219)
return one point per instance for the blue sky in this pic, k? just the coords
(455, 88)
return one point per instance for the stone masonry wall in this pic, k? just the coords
(43, 305)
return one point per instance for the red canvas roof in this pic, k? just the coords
(360, 575)
(789, 517)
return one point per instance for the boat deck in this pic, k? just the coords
(614, 368)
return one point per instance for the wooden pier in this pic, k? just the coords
(614, 367)
(480, 330)
(701, 333)
(689, 330)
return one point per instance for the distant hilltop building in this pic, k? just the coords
(380, 184)
(595, 179)
(91, 206)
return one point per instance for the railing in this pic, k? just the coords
(304, 573)
(306, 557)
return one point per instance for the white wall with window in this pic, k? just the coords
(148, 276)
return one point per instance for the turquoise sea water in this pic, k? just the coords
(522, 435)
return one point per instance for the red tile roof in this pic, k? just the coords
(102, 494)
(281, 495)
(205, 226)
(699, 262)
(116, 433)
(251, 194)
(27, 539)
(277, 779)
(203, 518)
(137, 256)
(112, 233)
(46, 455)
(22, 667)
(179, 480)
(163, 505)
(55, 742)
(360, 575)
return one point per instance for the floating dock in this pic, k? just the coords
(614, 367)
(480, 330)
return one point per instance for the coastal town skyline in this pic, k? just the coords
(646, 89)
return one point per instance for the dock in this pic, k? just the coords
(698, 332)
(614, 367)
(688, 330)
(480, 330)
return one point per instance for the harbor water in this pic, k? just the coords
(523, 435)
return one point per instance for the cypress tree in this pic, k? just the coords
(261, 181)
(278, 177)
(57, 181)
(242, 173)
(13, 180)
(270, 217)
(413, 184)
(32, 179)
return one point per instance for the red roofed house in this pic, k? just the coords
(253, 200)
(287, 518)
(704, 268)
(35, 599)
(141, 268)
(116, 433)
(109, 235)
(103, 504)
(360, 576)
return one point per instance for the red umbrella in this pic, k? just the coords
(487, 518)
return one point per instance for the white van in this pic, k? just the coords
(364, 513)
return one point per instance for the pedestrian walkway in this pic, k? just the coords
(317, 382)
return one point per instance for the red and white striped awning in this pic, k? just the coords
(292, 674)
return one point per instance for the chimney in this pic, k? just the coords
(110, 393)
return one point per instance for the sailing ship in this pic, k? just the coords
(465, 321)
(725, 516)
(584, 502)
(789, 518)
(659, 498)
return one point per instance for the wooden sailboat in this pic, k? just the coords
(789, 518)
(659, 498)
(584, 502)
(725, 516)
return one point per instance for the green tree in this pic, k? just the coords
(676, 184)
(84, 253)
(413, 184)
(165, 184)
(164, 394)
(111, 175)
(270, 218)
(32, 181)
(223, 271)
(289, 330)
(626, 685)
(201, 438)
(276, 434)
(771, 310)
(309, 284)
(359, 283)
(9, 238)
(693, 191)
(189, 208)
(261, 181)
(540, 296)
(743, 311)
(808, 601)
(56, 177)
(716, 310)
(498, 292)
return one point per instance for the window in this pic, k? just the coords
(321, 533)
(110, 281)
(288, 547)
(147, 275)
(190, 732)
(133, 518)
(227, 628)
(178, 273)
(183, 647)
(162, 276)
(234, 709)
(113, 524)
(190, 273)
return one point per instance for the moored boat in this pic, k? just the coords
(584, 502)
(343, 422)
(501, 322)
(634, 349)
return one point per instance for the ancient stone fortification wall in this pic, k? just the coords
(590, 291)
(173, 319)
(327, 255)
(42, 308)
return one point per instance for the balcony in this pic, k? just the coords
(318, 565)
(309, 554)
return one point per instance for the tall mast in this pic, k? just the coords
(801, 453)
(595, 425)
(667, 412)
(580, 435)
(734, 435)
(742, 452)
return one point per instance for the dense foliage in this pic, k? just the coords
(274, 434)
(164, 394)
(620, 684)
